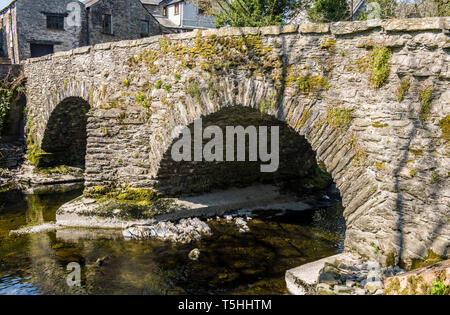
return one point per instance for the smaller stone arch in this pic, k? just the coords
(65, 137)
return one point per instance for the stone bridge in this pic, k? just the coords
(370, 100)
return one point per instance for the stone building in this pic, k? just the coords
(179, 15)
(33, 28)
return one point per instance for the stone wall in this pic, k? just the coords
(371, 98)
(32, 26)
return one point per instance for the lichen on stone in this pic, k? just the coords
(444, 124)
(425, 98)
(339, 117)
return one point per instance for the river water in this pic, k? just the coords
(230, 262)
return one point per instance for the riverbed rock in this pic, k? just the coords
(374, 286)
(324, 289)
(185, 231)
(194, 254)
(330, 275)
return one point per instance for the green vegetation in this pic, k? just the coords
(380, 166)
(250, 12)
(439, 288)
(413, 173)
(143, 101)
(60, 169)
(11, 90)
(434, 178)
(377, 124)
(379, 66)
(137, 196)
(308, 84)
(303, 118)
(126, 82)
(325, 11)
(158, 84)
(425, 98)
(330, 44)
(405, 84)
(193, 90)
(339, 118)
(444, 123)
(430, 259)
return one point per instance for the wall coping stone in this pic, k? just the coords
(343, 28)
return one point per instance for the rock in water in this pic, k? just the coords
(194, 254)
(185, 231)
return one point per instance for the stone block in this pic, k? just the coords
(314, 28)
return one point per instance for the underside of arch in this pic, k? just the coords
(65, 138)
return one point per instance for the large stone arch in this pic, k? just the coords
(389, 159)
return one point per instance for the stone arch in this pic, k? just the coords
(42, 106)
(65, 137)
(334, 146)
(296, 163)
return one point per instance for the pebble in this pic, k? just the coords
(194, 254)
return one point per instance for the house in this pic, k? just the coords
(179, 15)
(33, 28)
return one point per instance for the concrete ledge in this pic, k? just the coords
(302, 279)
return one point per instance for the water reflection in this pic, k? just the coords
(230, 262)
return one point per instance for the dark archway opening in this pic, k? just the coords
(298, 169)
(65, 137)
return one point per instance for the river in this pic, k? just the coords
(230, 262)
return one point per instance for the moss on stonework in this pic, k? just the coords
(329, 44)
(360, 157)
(362, 64)
(380, 166)
(60, 169)
(137, 196)
(338, 117)
(379, 125)
(416, 152)
(304, 118)
(379, 66)
(444, 124)
(404, 86)
(430, 259)
(425, 98)
(390, 259)
(34, 152)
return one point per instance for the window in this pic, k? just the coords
(39, 50)
(164, 13)
(177, 8)
(144, 28)
(107, 24)
(55, 22)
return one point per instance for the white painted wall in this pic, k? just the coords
(171, 14)
(192, 18)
